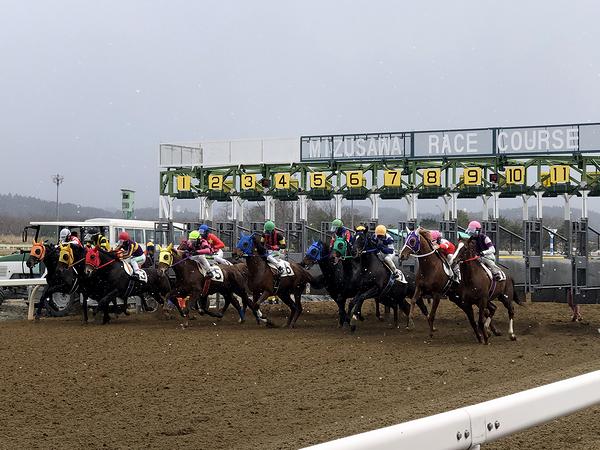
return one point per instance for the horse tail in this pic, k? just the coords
(516, 298)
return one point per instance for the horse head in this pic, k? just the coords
(465, 250)
(92, 260)
(414, 242)
(315, 253)
(165, 257)
(36, 254)
(247, 244)
(65, 256)
(340, 249)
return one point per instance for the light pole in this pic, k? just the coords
(57, 179)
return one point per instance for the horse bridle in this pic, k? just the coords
(418, 255)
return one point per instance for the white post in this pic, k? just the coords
(539, 205)
(269, 208)
(338, 205)
(241, 203)
(374, 207)
(486, 214)
(165, 207)
(525, 199)
(447, 206)
(567, 210)
(454, 196)
(233, 210)
(295, 211)
(584, 203)
(495, 205)
(303, 199)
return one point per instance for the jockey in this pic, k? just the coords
(132, 251)
(216, 244)
(385, 244)
(94, 238)
(485, 248)
(446, 249)
(339, 230)
(198, 247)
(66, 236)
(273, 242)
(149, 254)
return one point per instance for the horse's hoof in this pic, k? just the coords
(352, 328)
(381, 319)
(513, 337)
(497, 333)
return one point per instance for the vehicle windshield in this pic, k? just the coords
(50, 233)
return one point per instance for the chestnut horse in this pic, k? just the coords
(190, 281)
(263, 283)
(431, 278)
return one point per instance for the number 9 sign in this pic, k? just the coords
(472, 176)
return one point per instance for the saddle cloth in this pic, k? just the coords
(489, 273)
(215, 270)
(141, 275)
(287, 269)
(447, 269)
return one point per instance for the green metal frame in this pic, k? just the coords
(584, 169)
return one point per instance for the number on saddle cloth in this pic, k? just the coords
(340, 245)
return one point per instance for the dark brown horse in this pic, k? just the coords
(191, 281)
(262, 281)
(431, 278)
(477, 288)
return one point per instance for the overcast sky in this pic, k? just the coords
(89, 89)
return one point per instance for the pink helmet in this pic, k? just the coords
(435, 235)
(474, 225)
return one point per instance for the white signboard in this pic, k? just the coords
(523, 141)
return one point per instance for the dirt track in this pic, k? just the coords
(141, 382)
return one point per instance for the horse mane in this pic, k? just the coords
(425, 233)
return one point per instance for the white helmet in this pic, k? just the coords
(64, 234)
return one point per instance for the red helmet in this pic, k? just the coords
(123, 236)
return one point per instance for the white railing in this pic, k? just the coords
(15, 282)
(469, 427)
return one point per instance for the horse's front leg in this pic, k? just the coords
(416, 297)
(84, 305)
(356, 305)
(341, 304)
(103, 305)
(482, 320)
(431, 317)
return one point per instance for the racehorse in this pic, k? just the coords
(115, 281)
(57, 281)
(477, 288)
(191, 281)
(377, 282)
(263, 283)
(432, 280)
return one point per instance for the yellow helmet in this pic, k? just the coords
(380, 230)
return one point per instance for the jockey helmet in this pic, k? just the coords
(150, 244)
(64, 234)
(473, 228)
(269, 226)
(435, 235)
(194, 234)
(123, 236)
(360, 228)
(336, 224)
(380, 230)
(203, 229)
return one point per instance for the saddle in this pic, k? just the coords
(489, 273)
(217, 273)
(287, 269)
(141, 275)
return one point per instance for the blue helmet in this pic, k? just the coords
(203, 229)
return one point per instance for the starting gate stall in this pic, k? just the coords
(488, 163)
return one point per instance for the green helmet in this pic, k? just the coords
(194, 234)
(269, 226)
(336, 224)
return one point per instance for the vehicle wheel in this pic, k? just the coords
(61, 304)
(151, 304)
(2, 296)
